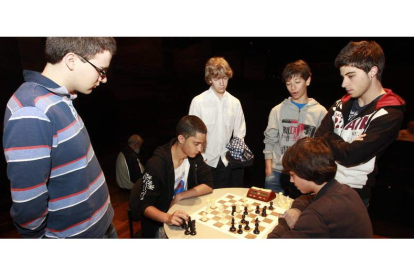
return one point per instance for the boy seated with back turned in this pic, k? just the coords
(332, 210)
(175, 172)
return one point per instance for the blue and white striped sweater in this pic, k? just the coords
(57, 185)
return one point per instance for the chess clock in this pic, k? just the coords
(261, 194)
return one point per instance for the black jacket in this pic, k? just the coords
(335, 212)
(380, 120)
(158, 183)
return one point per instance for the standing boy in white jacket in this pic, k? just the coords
(294, 118)
(223, 115)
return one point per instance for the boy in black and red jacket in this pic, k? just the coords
(361, 125)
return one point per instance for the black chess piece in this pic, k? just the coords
(184, 225)
(245, 211)
(257, 220)
(257, 210)
(187, 227)
(232, 213)
(247, 226)
(271, 206)
(232, 228)
(243, 218)
(232, 220)
(264, 212)
(193, 231)
(233, 208)
(256, 230)
(240, 231)
(256, 223)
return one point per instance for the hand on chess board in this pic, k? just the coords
(177, 218)
(291, 216)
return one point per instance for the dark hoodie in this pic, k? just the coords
(380, 120)
(158, 184)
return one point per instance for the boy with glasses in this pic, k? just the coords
(57, 185)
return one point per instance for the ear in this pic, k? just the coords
(373, 72)
(69, 60)
(181, 139)
(308, 81)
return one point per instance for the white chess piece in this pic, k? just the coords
(204, 218)
(221, 213)
(208, 205)
(244, 201)
(238, 207)
(213, 204)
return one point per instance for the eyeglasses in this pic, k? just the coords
(102, 73)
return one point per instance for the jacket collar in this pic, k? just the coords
(325, 188)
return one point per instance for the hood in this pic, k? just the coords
(164, 152)
(387, 100)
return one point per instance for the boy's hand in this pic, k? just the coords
(291, 216)
(360, 137)
(177, 218)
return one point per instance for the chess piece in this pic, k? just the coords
(243, 219)
(193, 231)
(257, 220)
(257, 210)
(213, 204)
(264, 212)
(232, 228)
(240, 231)
(204, 218)
(256, 230)
(184, 225)
(221, 213)
(232, 220)
(245, 211)
(245, 201)
(238, 207)
(187, 227)
(271, 206)
(247, 226)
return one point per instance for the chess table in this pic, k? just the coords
(193, 206)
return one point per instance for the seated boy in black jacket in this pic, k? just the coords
(332, 210)
(175, 172)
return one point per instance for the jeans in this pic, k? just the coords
(273, 182)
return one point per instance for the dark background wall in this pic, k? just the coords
(153, 80)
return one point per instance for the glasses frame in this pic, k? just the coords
(102, 73)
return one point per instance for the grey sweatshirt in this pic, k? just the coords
(287, 124)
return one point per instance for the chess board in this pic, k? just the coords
(223, 223)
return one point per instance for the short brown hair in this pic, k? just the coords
(363, 55)
(57, 47)
(217, 67)
(190, 125)
(310, 159)
(297, 68)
